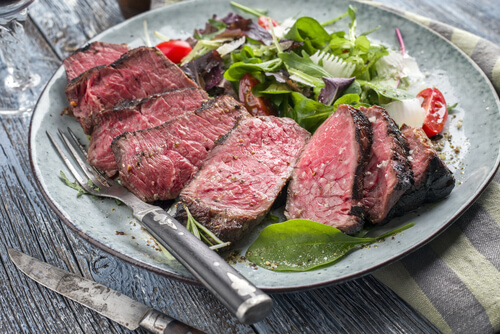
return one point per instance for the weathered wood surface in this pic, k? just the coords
(27, 223)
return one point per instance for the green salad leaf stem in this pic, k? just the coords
(73, 185)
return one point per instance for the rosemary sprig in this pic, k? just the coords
(194, 227)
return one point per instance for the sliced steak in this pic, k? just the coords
(243, 175)
(92, 55)
(137, 115)
(139, 73)
(156, 163)
(433, 180)
(327, 182)
(388, 174)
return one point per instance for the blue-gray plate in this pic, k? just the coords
(112, 228)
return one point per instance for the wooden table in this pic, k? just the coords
(27, 223)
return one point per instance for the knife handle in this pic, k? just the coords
(241, 297)
(160, 323)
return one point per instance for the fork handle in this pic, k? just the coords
(241, 297)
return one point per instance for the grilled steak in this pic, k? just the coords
(156, 163)
(137, 115)
(139, 73)
(327, 182)
(92, 55)
(433, 180)
(388, 174)
(243, 175)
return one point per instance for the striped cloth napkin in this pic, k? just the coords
(454, 281)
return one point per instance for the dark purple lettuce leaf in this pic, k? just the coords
(231, 18)
(207, 71)
(238, 26)
(209, 28)
(333, 88)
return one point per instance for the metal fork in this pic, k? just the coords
(241, 297)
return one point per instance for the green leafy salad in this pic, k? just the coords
(301, 68)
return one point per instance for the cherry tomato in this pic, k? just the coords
(257, 106)
(264, 22)
(436, 112)
(175, 50)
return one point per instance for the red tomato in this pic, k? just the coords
(264, 22)
(257, 106)
(436, 111)
(175, 50)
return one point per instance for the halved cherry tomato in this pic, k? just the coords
(175, 50)
(257, 106)
(436, 111)
(264, 22)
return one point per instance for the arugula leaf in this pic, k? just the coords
(391, 93)
(303, 64)
(302, 245)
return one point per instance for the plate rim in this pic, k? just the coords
(191, 280)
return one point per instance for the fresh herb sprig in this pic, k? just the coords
(202, 233)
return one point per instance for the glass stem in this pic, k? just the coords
(13, 45)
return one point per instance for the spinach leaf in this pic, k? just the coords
(308, 29)
(351, 99)
(237, 70)
(306, 112)
(302, 245)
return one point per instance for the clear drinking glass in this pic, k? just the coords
(14, 60)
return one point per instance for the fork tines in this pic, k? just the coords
(77, 150)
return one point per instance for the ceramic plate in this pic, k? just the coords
(112, 227)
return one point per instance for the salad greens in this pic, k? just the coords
(304, 70)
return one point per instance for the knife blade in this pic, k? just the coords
(100, 298)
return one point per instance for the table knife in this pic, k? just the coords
(110, 303)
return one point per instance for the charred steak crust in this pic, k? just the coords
(243, 175)
(141, 72)
(327, 182)
(433, 180)
(364, 137)
(388, 174)
(156, 163)
(137, 115)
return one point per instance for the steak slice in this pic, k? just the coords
(388, 174)
(433, 180)
(139, 73)
(156, 163)
(327, 182)
(92, 55)
(137, 115)
(243, 175)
